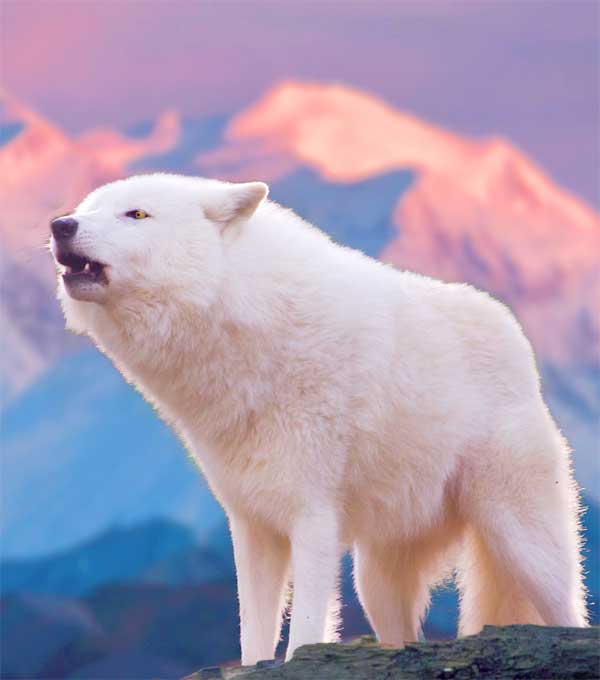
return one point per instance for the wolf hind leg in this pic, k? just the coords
(521, 562)
(393, 581)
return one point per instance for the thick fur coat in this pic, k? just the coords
(332, 403)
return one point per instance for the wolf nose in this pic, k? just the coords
(63, 227)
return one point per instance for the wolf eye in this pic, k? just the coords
(137, 214)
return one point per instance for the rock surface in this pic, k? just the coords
(501, 653)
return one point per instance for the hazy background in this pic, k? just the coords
(457, 139)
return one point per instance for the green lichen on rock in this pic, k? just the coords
(500, 653)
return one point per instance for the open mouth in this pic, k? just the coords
(79, 269)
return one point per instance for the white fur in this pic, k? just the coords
(332, 403)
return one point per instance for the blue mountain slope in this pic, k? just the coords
(358, 215)
(9, 131)
(197, 136)
(82, 452)
(114, 556)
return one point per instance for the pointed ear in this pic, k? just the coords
(237, 201)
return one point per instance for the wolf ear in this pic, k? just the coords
(237, 201)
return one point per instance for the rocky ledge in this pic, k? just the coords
(500, 653)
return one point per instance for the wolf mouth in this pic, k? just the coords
(80, 269)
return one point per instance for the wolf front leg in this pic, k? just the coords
(262, 563)
(315, 563)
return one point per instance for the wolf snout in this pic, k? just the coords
(63, 227)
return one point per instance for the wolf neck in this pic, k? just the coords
(154, 336)
(211, 359)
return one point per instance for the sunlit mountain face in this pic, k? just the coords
(478, 211)
(374, 178)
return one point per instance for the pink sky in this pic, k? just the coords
(525, 70)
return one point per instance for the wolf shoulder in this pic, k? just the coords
(370, 295)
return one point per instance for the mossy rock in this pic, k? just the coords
(497, 652)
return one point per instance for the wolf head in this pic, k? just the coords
(146, 238)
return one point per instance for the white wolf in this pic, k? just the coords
(332, 403)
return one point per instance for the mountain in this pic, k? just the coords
(358, 215)
(147, 552)
(478, 210)
(44, 173)
(373, 177)
(119, 151)
(195, 136)
(116, 557)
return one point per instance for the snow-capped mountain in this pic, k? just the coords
(45, 173)
(478, 210)
(373, 177)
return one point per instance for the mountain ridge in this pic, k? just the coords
(420, 218)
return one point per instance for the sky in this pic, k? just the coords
(526, 70)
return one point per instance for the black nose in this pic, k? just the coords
(63, 227)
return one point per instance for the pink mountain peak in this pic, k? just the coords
(345, 134)
(42, 173)
(118, 151)
(479, 209)
(36, 139)
(348, 135)
(15, 111)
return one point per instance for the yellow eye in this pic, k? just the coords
(137, 214)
